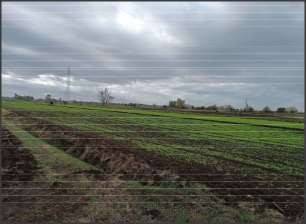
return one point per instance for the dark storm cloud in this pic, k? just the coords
(152, 52)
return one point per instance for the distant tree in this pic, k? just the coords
(201, 108)
(29, 98)
(48, 99)
(180, 103)
(172, 103)
(226, 108)
(291, 110)
(212, 107)
(229, 108)
(266, 109)
(26, 98)
(251, 109)
(281, 110)
(248, 108)
(105, 96)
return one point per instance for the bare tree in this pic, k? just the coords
(49, 99)
(105, 96)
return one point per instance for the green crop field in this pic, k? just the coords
(173, 165)
(255, 144)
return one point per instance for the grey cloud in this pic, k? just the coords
(152, 52)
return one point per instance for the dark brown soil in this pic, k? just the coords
(16, 160)
(277, 191)
(19, 168)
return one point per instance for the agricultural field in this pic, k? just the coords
(166, 167)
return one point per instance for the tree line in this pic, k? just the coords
(181, 104)
(105, 97)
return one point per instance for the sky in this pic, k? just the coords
(152, 52)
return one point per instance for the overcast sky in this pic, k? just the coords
(204, 52)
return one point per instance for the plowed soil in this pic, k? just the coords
(16, 160)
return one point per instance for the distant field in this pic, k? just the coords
(256, 144)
